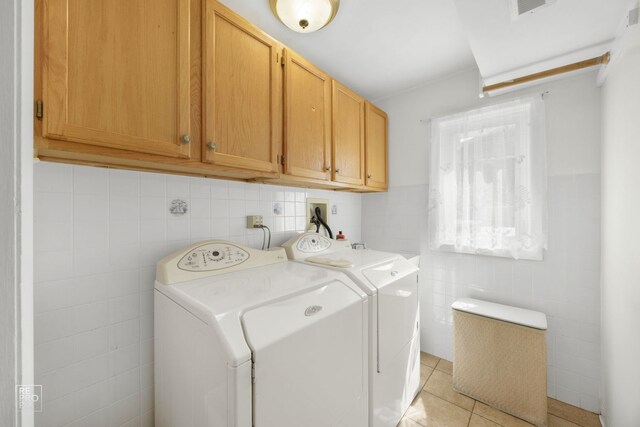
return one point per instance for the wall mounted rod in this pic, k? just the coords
(598, 60)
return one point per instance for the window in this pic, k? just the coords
(488, 181)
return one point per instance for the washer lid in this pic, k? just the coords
(360, 258)
(376, 268)
(275, 322)
(220, 300)
(506, 313)
(315, 345)
(389, 271)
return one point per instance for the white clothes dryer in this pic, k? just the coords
(244, 338)
(391, 282)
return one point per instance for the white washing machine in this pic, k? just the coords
(245, 338)
(391, 282)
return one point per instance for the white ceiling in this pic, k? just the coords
(501, 44)
(382, 47)
(377, 47)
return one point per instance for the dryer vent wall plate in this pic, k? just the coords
(521, 8)
(323, 204)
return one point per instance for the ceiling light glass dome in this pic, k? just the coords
(305, 16)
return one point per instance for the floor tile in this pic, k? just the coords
(438, 405)
(408, 422)
(429, 359)
(499, 417)
(425, 373)
(573, 414)
(478, 421)
(431, 411)
(559, 422)
(439, 384)
(445, 366)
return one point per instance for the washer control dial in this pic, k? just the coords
(313, 243)
(213, 256)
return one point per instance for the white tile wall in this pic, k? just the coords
(98, 235)
(565, 286)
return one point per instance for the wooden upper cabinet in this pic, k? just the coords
(243, 92)
(307, 119)
(117, 74)
(189, 86)
(348, 136)
(376, 147)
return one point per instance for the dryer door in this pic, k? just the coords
(310, 359)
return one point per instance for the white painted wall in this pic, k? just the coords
(16, 191)
(573, 123)
(503, 46)
(26, 200)
(621, 234)
(98, 236)
(9, 225)
(565, 285)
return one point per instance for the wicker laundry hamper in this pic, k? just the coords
(500, 357)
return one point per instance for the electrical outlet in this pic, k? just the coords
(254, 220)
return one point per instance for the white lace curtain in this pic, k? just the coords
(488, 181)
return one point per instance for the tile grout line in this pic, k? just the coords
(472, 412)
(566, 419)
(485, 418)
(445, 400)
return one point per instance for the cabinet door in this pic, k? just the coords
(117, 74)
(348, 136)
(241, 92)
(307, 118)
(376, 147)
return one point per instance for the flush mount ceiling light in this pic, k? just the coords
(305, 16)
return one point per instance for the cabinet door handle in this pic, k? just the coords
(369, 176)
(337, 170)
(186, 139)
(328, 168)
(212, 146)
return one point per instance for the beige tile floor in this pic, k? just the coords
(437, 405)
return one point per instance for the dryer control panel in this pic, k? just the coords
(313, 243)
(213, 257)
(308, 244)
